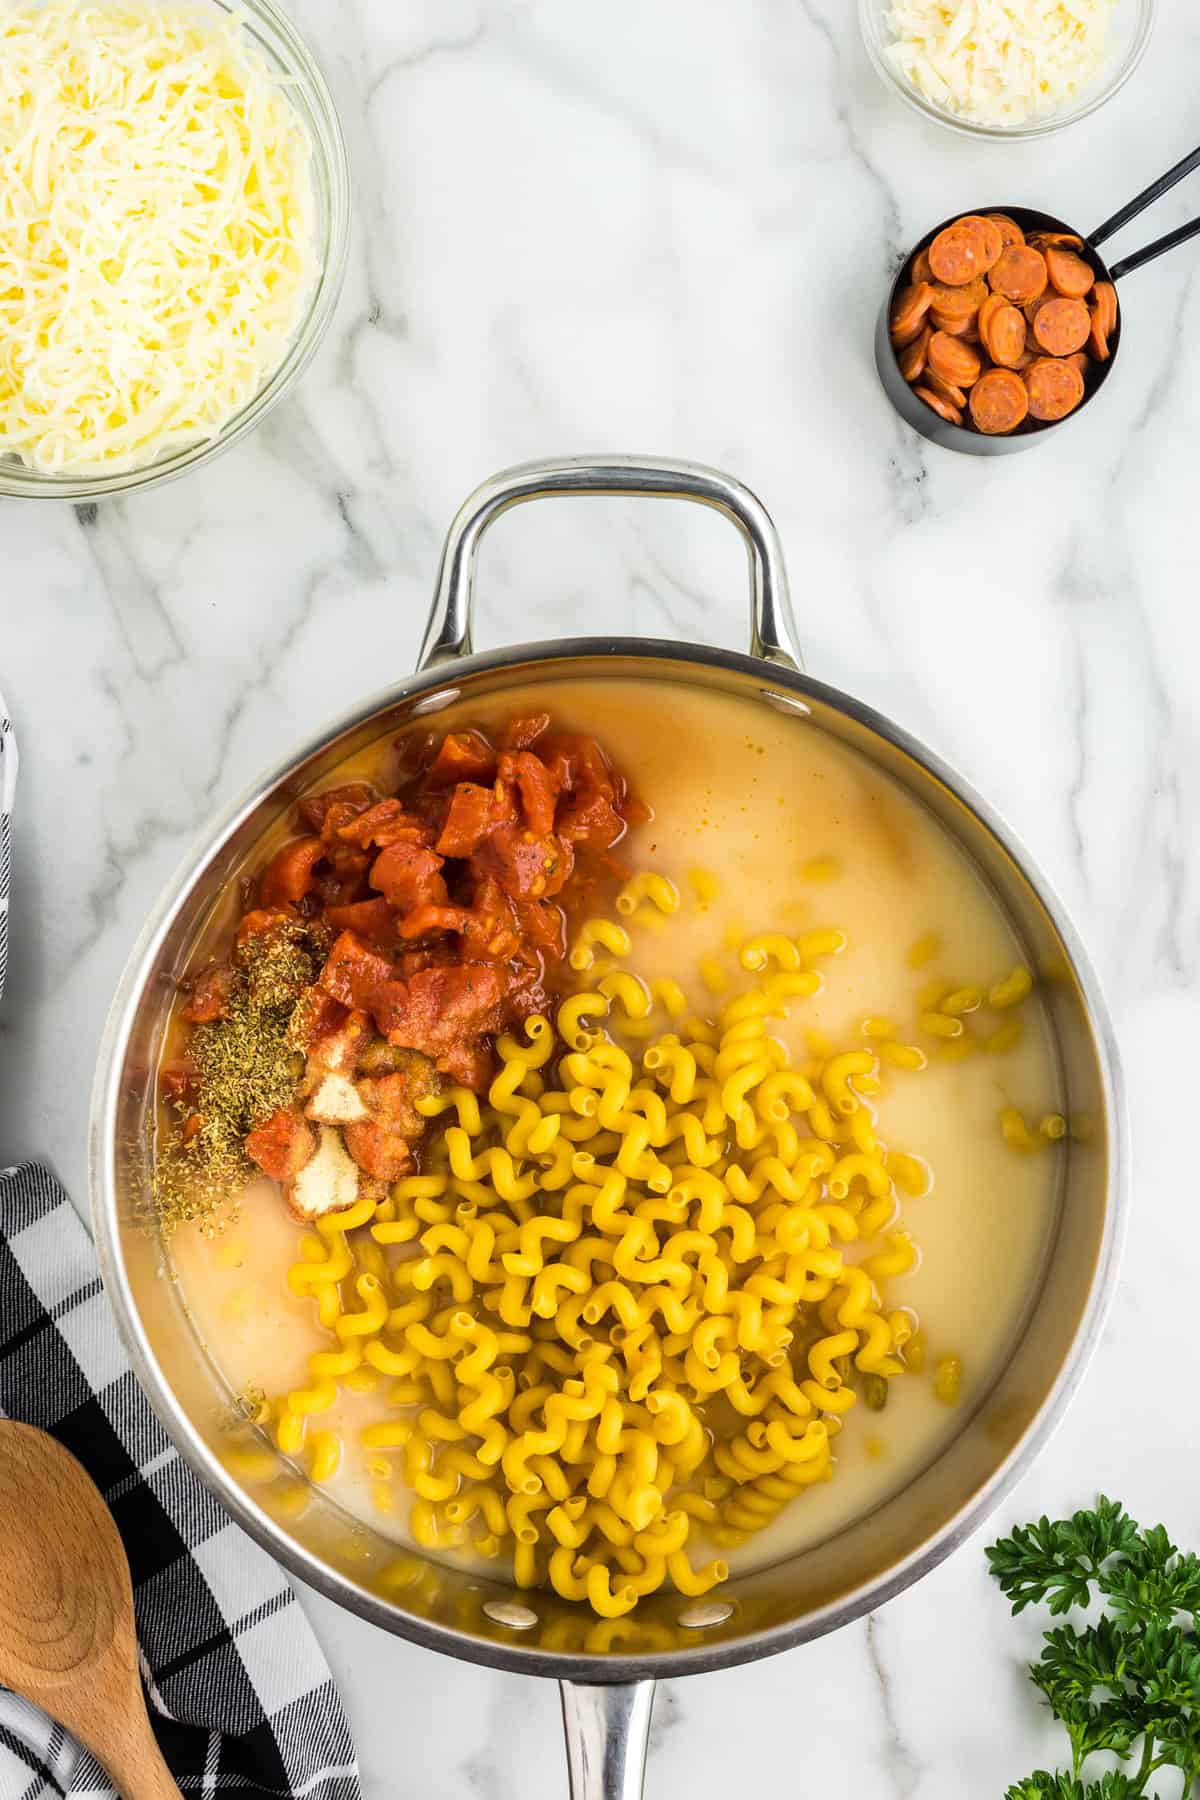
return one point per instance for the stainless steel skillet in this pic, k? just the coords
(607, 1669)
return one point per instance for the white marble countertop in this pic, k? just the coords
(664, 228)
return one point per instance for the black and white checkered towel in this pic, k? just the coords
(240, 1695)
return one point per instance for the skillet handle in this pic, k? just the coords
(772, 632)
(607, 1729)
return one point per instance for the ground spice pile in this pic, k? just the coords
(244, 1066)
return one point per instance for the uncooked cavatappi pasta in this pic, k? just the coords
(626, 1222)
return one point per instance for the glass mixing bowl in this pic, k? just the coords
(283, 48)
(1133, 22)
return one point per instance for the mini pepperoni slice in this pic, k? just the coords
(1020, 274)
(1054, 386)
(967, 328)
(954, 360)
(1103, 319)
(1010, 231)
(943, 408)
(948, 390)
(1046, 240)
(991, 241)
(999, 402)
(1002, 328)
(920, 270)
(965, 250)
(958, 302)
(1069, 274)
(911, 358)
(988, 311)
(1062, 326)
(908, 313)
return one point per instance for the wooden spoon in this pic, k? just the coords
(66, 1611)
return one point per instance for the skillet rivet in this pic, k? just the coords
(510, 1613)
(705, 1613)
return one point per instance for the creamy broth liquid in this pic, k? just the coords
(755, 797)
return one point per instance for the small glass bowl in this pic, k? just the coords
(1133, 22)
(285, 51)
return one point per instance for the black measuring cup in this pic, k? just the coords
(976, 443)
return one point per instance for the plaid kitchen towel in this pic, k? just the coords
(240, 1695)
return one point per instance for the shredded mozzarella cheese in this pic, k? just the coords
(156, 229)
(999, 62)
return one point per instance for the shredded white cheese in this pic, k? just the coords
(156, 229)
(1000, 62)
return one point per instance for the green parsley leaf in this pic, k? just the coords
(1113, 1786)
(1129, 1679)
(1043, 1786)
(1153, 1582)
(1058, 1562)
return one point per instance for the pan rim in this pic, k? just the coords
(341, 1589)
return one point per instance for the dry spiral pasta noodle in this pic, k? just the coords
(616, 1323)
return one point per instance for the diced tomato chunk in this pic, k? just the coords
(537, 786)
(381, 1145)
(425, 956)
(408, 875)
(317, 1015)
(370, 919)
(353, 971)
(487, 935)
(467, 821)
(441, 1011)
(282, 1145)
(526, 994)
(176, 1083)
(543, 925)
(386, 823)
(288, 876)
(576, 761)
(522, 734)
(377, 1151)
(527, 867)
(337, 1052)
(472, 1065)
(210, 995)
(505, 810)
(353, 796)
(590, 819)
(463, 756)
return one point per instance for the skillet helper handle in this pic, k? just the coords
(607, 1729)
(772, 632)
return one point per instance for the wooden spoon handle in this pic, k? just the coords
(134, 1761)
(67, 1634)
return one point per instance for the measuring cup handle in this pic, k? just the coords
(1146, 198)
(607, 1731)
(772, 633)
(1139, 258)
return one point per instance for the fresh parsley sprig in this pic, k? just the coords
(1128, 1683)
